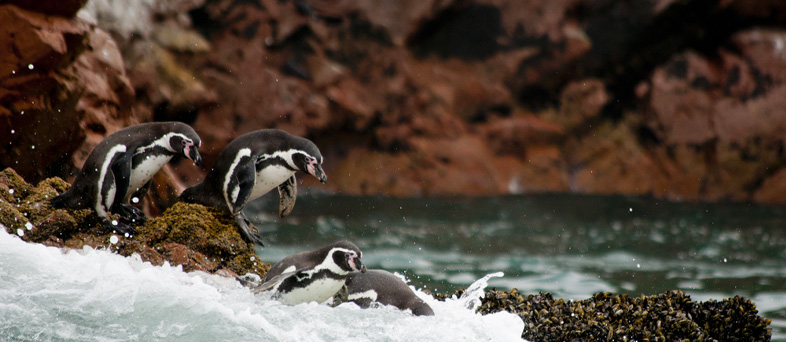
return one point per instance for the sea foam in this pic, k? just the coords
(94, 295)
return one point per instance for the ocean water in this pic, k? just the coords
(570, 245)
(47, 294)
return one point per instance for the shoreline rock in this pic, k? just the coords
(196, 237)
(205, 239)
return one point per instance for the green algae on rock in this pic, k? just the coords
(196, 237)
(206, 231)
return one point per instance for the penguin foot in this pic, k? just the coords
(342, 296)
(119, 227)
(248, 230)
(131, 214)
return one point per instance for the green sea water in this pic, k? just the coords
(569, 245)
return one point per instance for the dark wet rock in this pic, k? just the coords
(196, 237)
(671, 316)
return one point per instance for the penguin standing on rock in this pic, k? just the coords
(123, 164)
(313, 276)
(249, 167)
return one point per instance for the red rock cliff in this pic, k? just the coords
(678, 99)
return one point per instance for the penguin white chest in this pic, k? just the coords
(318, 291)
(268, 179)
(146, 170)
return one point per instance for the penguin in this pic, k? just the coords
(312, 276)
(123, 164)
(383, 287)
(252, 165)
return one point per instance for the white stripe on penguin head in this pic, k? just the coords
(287, 156)
(163, 142)
(330, 265)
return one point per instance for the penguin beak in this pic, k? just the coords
(316, 170)
(193, 154)
(359, 265)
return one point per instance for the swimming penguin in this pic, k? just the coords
(123, 164)
(249, 167)
(380, 286)
(312, 276)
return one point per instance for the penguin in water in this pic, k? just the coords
(383, 287)
(122, 165)
(312, 276)
(249, 167)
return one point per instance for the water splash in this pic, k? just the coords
(471, 297)
(96, 295)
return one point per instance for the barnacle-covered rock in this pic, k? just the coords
(670, 316)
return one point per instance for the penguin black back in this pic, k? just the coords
(386, 288)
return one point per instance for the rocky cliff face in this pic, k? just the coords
(678, 99)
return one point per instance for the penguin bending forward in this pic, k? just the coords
(380, 286)
(312, 276)
(123, 164)
(252, 165)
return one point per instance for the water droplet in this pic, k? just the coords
(253, 258)
(724, 260)
(13, 131)
(32, 147)
(638, 265)
(30, 66)
(22, 112)
(13, 72)
(134, 199)
(113, 240)
(114, 222)
(20, 232)
(11, 191)
(126, 235)
(29, 226)
(630, 210)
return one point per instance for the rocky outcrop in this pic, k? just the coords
(190, 235)
(670, 316)
(416, 98)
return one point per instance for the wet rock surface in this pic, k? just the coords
(196, 237)
(670, 316)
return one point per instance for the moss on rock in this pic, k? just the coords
(191, 235)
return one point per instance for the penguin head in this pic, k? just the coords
(187, 145)
(347, 256)
(311, 164)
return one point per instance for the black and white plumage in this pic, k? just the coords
(383, 287)
(252, 165)
(313, 276)
(123, 164)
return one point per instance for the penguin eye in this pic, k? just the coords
(183, 142)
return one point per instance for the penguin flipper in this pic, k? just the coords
(121, 170)
(299, 275)
(273, 282)
(287, 194)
